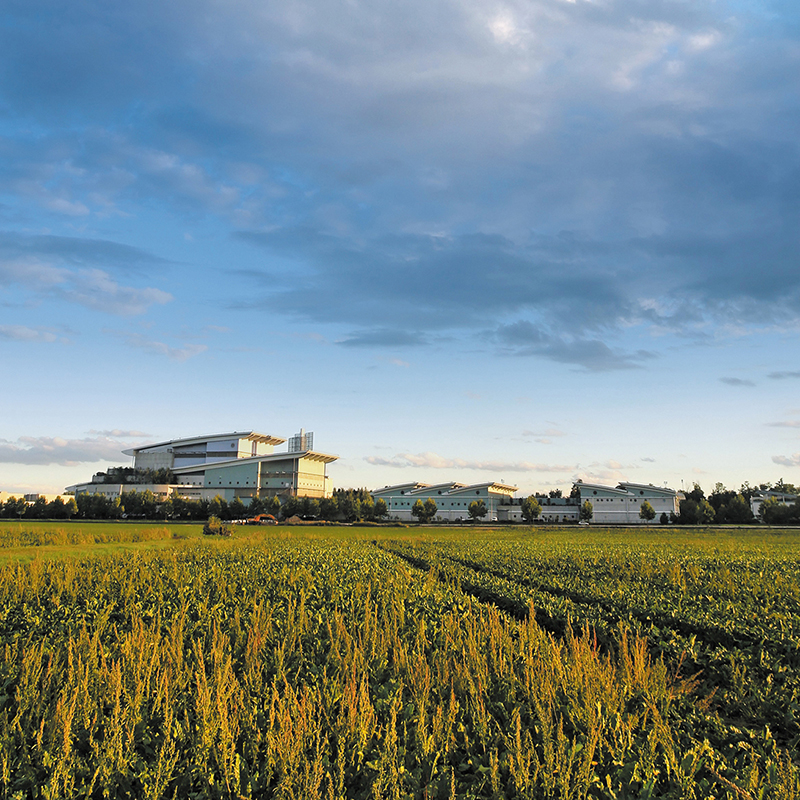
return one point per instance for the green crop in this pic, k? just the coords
(337, 664)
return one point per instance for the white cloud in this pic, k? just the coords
(96, 289)
(435, 461)
(43, 450)
(787, 461)
(119, 434)
(91, 288)
(22, 333)
(163, 349)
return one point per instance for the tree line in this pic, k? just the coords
(346, 505)
(722, 506)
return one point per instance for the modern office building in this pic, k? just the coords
(237, 464)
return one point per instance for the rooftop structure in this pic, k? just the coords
(202, 449)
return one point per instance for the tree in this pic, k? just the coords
(290, 508)
(664, 519)
(38, 509)
(381, 509)
(706, 511)
(586, 512)
(218, 507)
(477, 510)
(255, 507)
(773, 512)
(531, 508)
(236, 508)
(367, 508)
(647, 512)
(556, 493)
(738, 511)
(272, 506)
(309, 508)
(697, 494)
(426, 511)
(430, 509)
(328, 508)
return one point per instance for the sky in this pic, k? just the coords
(518, 241)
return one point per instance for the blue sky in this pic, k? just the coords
(520, 241)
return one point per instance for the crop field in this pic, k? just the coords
(149, 661)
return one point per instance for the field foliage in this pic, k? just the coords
(374, 663)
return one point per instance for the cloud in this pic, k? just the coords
(787, 461)
(599, 172)
(45, 450)
(435, 461)
(75, 251)
(523, 338)
(546, 432)
(788, 424)
(64, 268)
(163, 349)
(736, 382)
(121, 434)
(22, 333)
(543, 437)
(649, 460)
(777, 376)
(383, 338)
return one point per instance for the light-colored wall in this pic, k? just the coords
(451, 506)
(613, 508)
(232, 477)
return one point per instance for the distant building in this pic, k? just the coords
(238, 464)
(783, 498)
(554, 509)
(620, 505)
(452, 499)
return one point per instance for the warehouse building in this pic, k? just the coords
(620, 504)
(452, 499)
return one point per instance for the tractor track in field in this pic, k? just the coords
(710, 635)
(514, 608)
(558, 626)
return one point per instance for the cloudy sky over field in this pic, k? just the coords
(520, 241)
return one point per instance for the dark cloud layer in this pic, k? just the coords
(551, 180)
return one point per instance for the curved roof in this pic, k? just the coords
(253, 436)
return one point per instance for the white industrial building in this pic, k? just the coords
(611, 505)
(452, 499)
(229, 465)
(621, 504)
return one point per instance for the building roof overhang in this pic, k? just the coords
(648, 487)
(253, 436)
(310, 455)
(443, 488)
(491, 486)
(399, 487)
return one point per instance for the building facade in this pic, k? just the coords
(228, 465)
(452, 499)
(621, 504)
